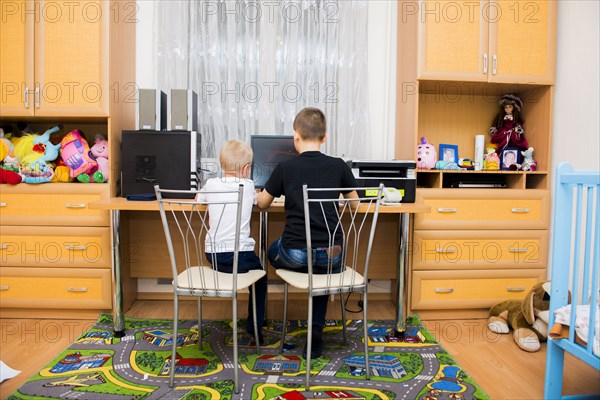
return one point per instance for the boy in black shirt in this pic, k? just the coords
(316, 170)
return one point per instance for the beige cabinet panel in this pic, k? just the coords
(522, 41)
(484, 209)
(16, 53)
(490, 249)
(55, 58)
(60, 204)
(55, 288)
(444, 290)
(47, 246)
(487, 40)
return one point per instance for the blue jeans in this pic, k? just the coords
(297, 260)
(247, 261)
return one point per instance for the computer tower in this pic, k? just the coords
(183, 110)
(151, 110)
(169, 159)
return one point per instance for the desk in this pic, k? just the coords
(116, 205)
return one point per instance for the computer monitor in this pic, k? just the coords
(269, 151)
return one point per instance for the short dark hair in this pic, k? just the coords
(310, 123)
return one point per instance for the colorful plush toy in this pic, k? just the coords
(491, 161)
(528, 318)
(75, 153)
(35, 152)
(9, 172)
(99, 152)
(426, 155)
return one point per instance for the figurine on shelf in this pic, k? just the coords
(507, 129)
(529, 164)
(426, 155)
(491, 161)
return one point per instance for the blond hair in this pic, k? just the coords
(235, 154)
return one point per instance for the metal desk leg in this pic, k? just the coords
(263, 247)
(402, 275)
(118, 317)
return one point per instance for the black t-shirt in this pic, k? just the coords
(316, 170)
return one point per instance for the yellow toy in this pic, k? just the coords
(491, 161)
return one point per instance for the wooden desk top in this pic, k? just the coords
(122, 204)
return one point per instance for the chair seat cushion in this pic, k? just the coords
(300, 280)
(208, 279)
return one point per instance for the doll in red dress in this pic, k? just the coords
(507, 130)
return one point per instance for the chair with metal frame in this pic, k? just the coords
(189, 240)
(355, 218)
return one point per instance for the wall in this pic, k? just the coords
(576, 120)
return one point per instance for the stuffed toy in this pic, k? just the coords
(491, 161)
(529, 164)
(9, 173)
(528, 318)
(75, 152)
(99, 152)
(35, 153)
(426, 155)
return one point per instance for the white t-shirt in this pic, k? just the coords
(223, 237)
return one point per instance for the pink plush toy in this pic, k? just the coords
(426, 155)
(75, 153)
(99, 152)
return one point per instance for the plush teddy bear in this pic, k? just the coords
(528, 318)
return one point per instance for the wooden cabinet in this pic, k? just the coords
(486, 41)
(55, 251)
(455, 61)
(61, 62)
(55, 58)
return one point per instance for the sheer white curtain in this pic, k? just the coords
(255, 64)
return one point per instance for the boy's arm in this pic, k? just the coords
(352, 195)
(264, 199)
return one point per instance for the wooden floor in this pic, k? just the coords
(501, 369)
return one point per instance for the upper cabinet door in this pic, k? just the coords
(71, 58)
(453, 40)
(523, 41)
(16, 55)
(487, 41)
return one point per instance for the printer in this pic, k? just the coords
(397, 174)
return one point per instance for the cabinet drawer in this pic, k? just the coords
(484, 209)
(57, 247)
(443, 290)
(487, 249)
(53, 204)
(67, 288)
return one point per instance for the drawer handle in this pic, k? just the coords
(5, 287)
(75, 205)
(515, 289)
(446, 210)
(520, 210)
(76, 289)
(444, 290)
(445, 250)
(517, 250)
(3, 247)
(69, 247)
(3, 204)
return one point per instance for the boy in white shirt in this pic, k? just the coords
(235, 159)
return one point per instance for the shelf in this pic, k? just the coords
(451, 179)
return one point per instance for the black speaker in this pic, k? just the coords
(169, 159)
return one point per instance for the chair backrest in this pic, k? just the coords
(341, 226)
(197, 224)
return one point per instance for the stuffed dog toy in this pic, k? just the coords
(528, 318)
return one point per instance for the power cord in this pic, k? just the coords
(360, 304)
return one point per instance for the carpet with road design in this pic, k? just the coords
(99, 366)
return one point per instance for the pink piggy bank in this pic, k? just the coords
(426, 155)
